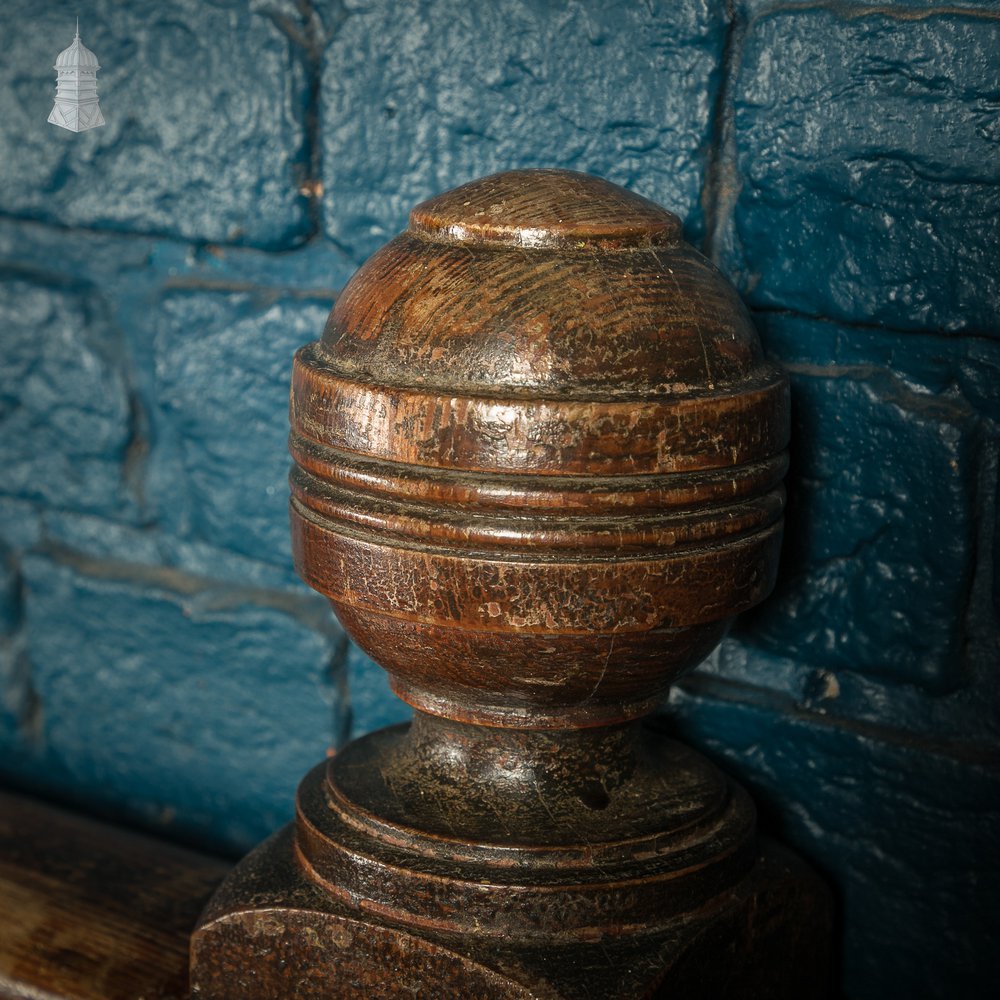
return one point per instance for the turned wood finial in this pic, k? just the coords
(538, 454)
(538, 461)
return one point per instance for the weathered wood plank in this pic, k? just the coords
(90, 911)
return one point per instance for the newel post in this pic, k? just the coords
(538, 469)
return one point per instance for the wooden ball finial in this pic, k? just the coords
(538, 454)
(538, 462)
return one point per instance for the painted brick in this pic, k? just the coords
(155, 546)
(420, 97)
(868, 160)
(881, 532)
(906, 829)
(14, 693)
(19, 528)
(874, 578)
(130, 271)
(20, 523)
(10, 597)
(219, 468)
(112, 289)
(204, 104)
(173, 700)
(65, 421)
(942, 365)
(18, 703)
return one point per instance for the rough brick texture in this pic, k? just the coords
(868, 156)
(904, 828)
(223, 366)
(422, 96)
(204, 104)
(64, 398)
(874, 578)
(158, 659)
(144, 683)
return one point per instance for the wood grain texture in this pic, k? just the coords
(89, 911)
(537, 413)
(538, 462)
(555, 209)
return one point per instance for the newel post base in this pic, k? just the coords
(273, 934)
(327, 909)
(538, 470)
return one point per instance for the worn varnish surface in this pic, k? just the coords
(538, 462)
(276, 933)
(89, 911)
(538, 413)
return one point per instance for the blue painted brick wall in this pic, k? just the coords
(840, 161)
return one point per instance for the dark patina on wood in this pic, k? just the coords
(538, 469)
(91, 911)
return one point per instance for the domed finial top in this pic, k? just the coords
(546, 208)
(77, 55)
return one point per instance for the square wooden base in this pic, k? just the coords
(272, 934)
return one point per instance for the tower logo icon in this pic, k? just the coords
(76, 106)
